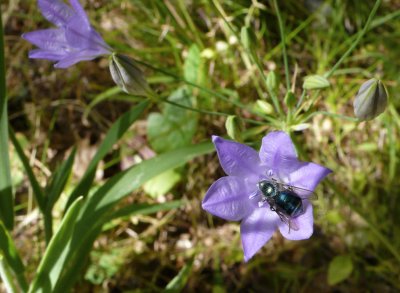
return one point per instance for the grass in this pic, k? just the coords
(358, 207)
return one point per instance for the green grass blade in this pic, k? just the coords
(113, 135)
(98, 207)
(37, 190)
(144, 209)
(6, 196)
(56, 254)
(178, 283)
(59, 180)
(6, 276)
(11, 257)
(54, 190)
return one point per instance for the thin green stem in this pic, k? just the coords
(303, 95)
(357, 40)
(206, 90)
(252, 56)
(283, 42)
(206, 111)
(330, 114)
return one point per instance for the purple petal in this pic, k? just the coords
(80, 11)
(237, 159)
(228, 198)
(304, 222)
(55, 11)
(73, 58)
(78, 35)
(257, 229)
(306, 175)
(276, 147)
(49, 39)
(46, 54)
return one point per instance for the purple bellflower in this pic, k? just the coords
(73, 40)
(237, 197)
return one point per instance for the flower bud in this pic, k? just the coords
(264, 107)
(371, 99)
(315, 82)
(127, 75)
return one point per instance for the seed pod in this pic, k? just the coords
(127, 75)
(371, 100)
(315, 82)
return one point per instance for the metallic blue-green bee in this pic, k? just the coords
(285, 200)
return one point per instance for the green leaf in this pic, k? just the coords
(59, 180)
(113, 135)
(193, 69)
(175, 127)
(10, 254)
(315, 82)
(162, 183)
(340, 268)
(99, 206)
(144, 209)
(37, 190)
(6, 196)
(57, 252)
(178, 283)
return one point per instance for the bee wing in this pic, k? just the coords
(288, 221)
(301, 192)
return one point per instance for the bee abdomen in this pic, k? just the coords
(290, 203)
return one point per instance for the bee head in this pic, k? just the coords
(267, 188)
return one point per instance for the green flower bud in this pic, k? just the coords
(264, 107)
(371, 100)
(127, 75)
(315, 82)
(233, 127)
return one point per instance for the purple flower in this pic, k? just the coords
(73, 40)
(237, 197)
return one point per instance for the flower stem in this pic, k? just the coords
(356, 41)
(253, 57)
(283, 42)
(330, 114)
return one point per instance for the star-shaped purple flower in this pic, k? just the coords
(73, 40)
(237, 197)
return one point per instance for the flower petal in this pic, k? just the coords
(228, 198)
(73, 58)
(80, 11)
(257, 229)
(80, 36)
(48, 39)
(55, 11)
(304, 222)
(307, 175)
(275, 148)
(237, 159)
(46, 54)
